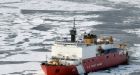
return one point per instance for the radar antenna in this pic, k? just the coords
(74, 23)
(73, 32)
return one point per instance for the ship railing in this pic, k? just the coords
(69, 43)
(63, 61)
(53, 57)
(70, 62)
(78, 43)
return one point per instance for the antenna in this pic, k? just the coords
(74, 23)
(73, 32)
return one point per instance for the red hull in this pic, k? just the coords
(59, 70)
(90, 65)
(105, 61)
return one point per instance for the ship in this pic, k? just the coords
(90, 53)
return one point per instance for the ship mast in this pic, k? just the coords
(74, 23)
(73, 32)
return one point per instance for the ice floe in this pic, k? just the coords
(127, 1)
(24, 68)
(62, 5)
(133, 31)
(121, 70)
(8, 1)
(30, 56)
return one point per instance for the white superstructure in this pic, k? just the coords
(77, 50)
